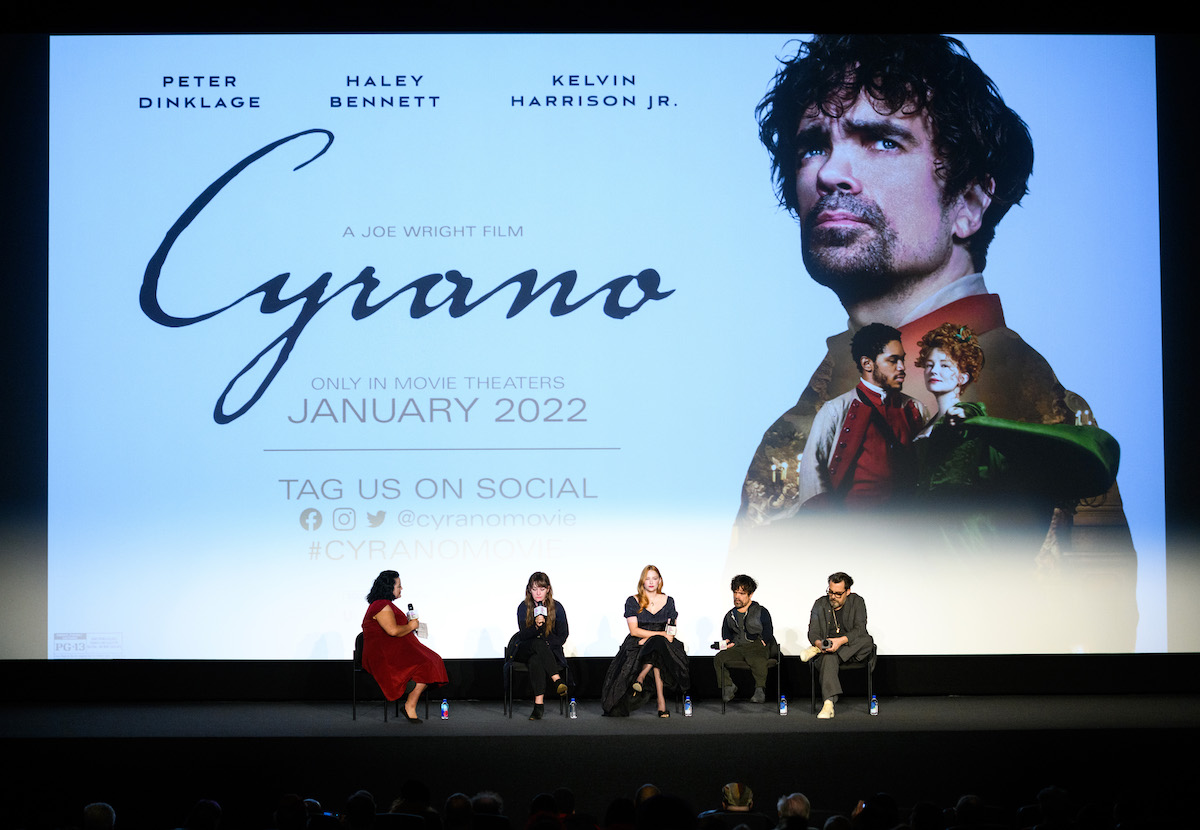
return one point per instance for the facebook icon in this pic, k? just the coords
(310, 519)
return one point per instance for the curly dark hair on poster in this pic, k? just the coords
(977, 139)
(870, 341)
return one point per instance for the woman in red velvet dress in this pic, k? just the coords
(391, 651)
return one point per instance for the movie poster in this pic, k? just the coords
(468, 307)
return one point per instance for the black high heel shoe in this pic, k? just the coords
(538, 709)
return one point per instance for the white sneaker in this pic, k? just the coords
(809, 653)
(826, 711)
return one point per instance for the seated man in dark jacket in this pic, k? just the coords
(746, 634)
(837, 629)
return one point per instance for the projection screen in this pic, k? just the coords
(473, 306)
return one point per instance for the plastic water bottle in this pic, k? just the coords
(572, 712)
(687, 706)
(874, 705)
(783, 704)
(445, 709)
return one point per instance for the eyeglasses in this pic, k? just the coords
(838, 594)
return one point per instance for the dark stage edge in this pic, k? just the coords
(151, 761)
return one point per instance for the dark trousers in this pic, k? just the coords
(753, 653)
(828, 665)
(541, 662)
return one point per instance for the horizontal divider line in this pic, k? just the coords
(441, 449)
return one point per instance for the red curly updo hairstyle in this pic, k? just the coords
(959, 343)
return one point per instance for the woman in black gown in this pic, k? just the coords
(650, 648)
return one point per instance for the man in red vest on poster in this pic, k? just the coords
(857, 453)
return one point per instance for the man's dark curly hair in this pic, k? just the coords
(870, 341)
(977, 139)
(842, 577)
(745, 582)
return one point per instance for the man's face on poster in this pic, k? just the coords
(871, 207)
(887, 369)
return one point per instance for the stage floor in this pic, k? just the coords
(152, 761)
(485, 719)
